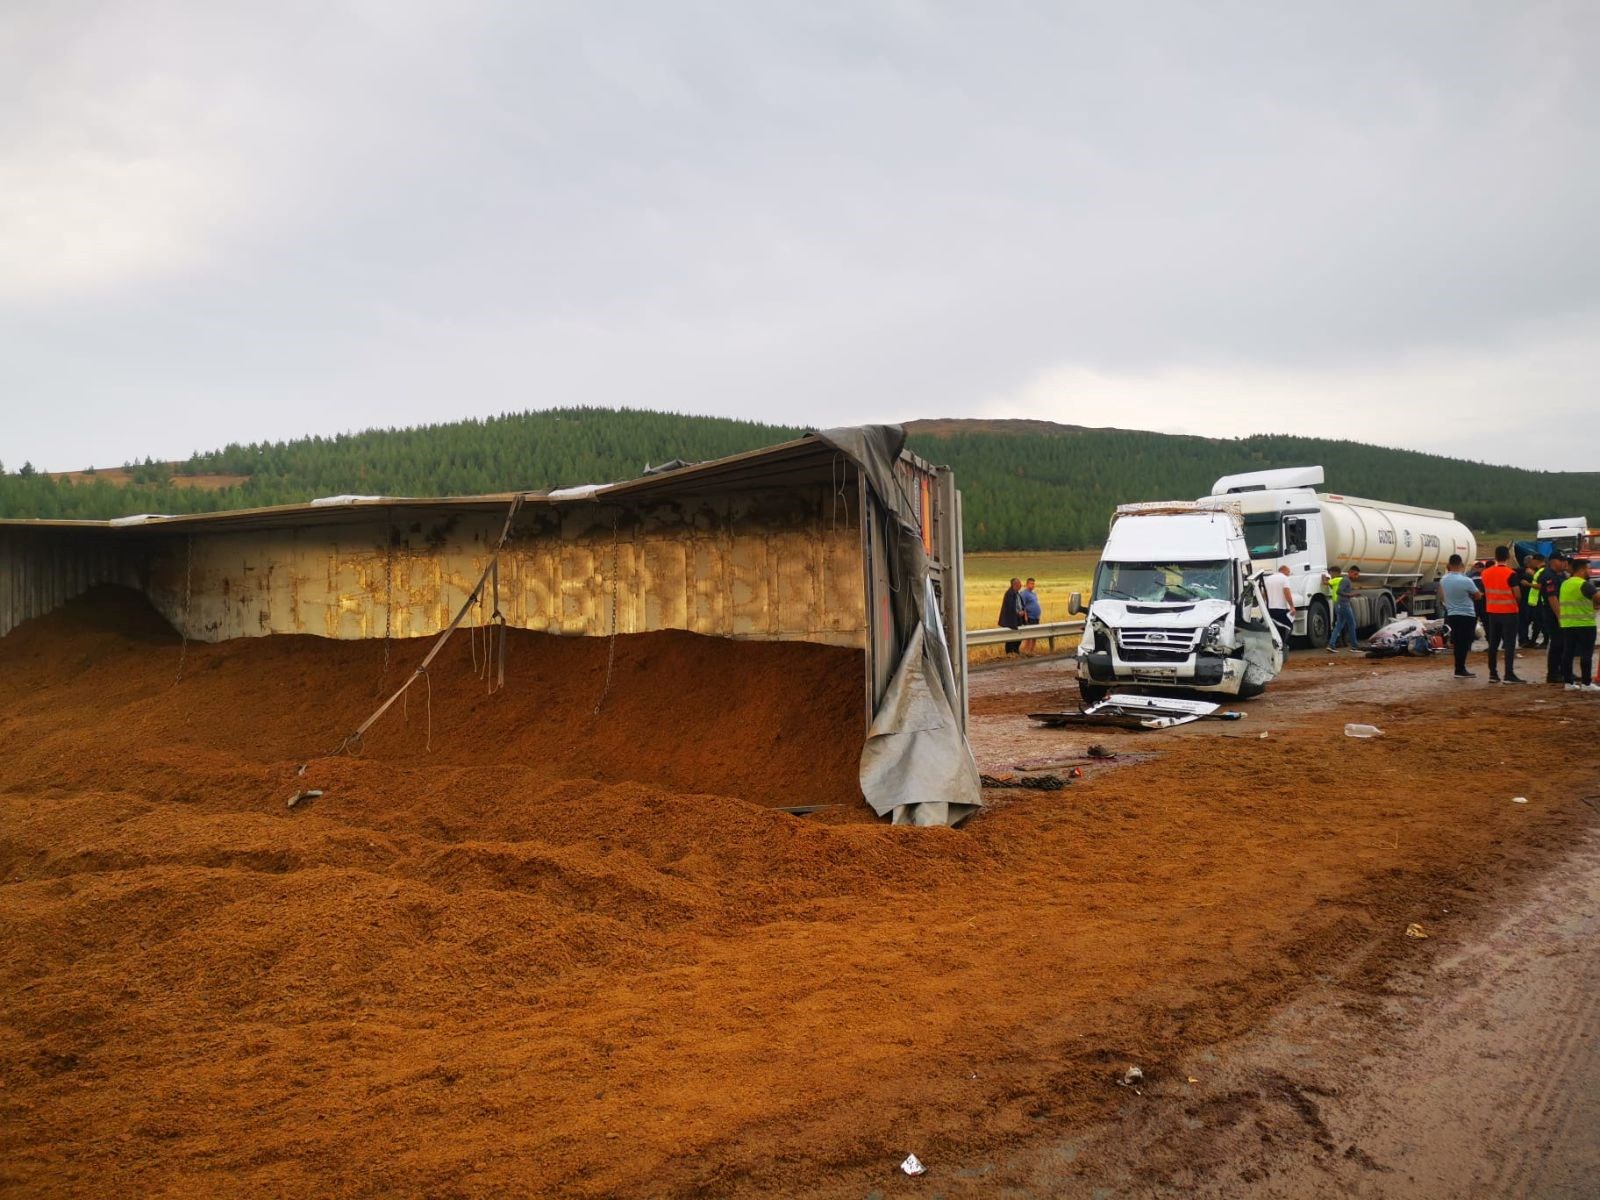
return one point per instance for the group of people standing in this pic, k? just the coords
(1555, 599)
(1341, 589)
(1560, 594)
(1020, 607)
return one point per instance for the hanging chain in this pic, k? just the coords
(611, 652)
(188, 591)
(839, 475)
(388, 588)
(427, 744)
(497, 620)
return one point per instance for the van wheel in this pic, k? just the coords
(1318, 624)
(1092, 693)
(1249, 691)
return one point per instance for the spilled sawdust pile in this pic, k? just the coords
(579, 954)
(174, 927)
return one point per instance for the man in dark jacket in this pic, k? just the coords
(1011, 616)
(1550, 589)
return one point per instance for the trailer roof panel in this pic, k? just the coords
(801, 460)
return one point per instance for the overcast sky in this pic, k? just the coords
(235, 221)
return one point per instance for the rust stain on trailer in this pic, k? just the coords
(741, 566)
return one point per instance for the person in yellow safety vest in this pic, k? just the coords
(1533, 632)
(1330, 589)
(1331, 580)
(1344, 612)
(1576, 612)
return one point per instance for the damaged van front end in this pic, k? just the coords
(1175, 606)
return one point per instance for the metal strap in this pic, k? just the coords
(188, 588)
(611, 653)
(422, 668)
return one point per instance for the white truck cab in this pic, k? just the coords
(1402, 550)
(1176, 604)
(1571, 535)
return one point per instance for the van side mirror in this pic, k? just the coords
(1075, 603)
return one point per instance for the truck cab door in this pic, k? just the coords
(1305, 577)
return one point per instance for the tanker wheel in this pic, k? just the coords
(1318, 624)
(1092, 693)
(1385, 610)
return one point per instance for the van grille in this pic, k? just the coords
(1155, 645)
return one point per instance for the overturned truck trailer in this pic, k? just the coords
(842, 537)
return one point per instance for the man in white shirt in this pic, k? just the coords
(1280, 603)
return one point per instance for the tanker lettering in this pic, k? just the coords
(1430, 541)
(1385, 537)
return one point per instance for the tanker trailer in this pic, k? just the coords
(1401, 550)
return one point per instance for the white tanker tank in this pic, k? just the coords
(1392, 541)
(1400, 549)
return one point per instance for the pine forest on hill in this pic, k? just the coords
(1025, 485)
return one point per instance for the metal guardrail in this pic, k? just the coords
(1045, 630)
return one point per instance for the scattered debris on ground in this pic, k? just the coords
(1040, 783)
(1136, 712)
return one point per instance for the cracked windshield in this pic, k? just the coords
(1162, 583)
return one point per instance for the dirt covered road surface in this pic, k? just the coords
(518, 947)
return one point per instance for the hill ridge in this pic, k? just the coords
(1016, 426)
(1026, 484)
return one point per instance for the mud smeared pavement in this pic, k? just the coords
(573, 954)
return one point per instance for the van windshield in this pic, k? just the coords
(1163, 582)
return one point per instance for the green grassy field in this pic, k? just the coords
(1488, 541)
(1059, 574)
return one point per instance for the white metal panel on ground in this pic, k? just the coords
(780, 567)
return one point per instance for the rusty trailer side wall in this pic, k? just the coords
(776, 565)
(41, 569)
(784, 543)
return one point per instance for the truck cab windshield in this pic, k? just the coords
(1163, 583)
(1261, 535)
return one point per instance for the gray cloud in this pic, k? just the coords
(224, 224)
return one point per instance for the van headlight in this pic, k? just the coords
(1099, 639)
(1214, 636)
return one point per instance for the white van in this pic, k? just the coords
(1176, 604)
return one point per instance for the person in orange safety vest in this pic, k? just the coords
(1502, 607)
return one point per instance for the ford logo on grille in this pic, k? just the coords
(1155, 637)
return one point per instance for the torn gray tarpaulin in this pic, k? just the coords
(916, 766)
